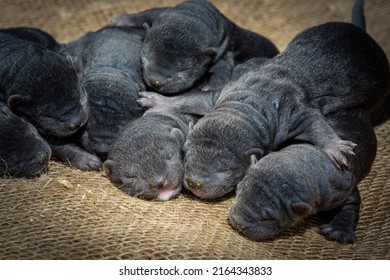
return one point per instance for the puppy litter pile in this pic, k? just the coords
(71, 214)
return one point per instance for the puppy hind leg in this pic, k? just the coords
(342, 227)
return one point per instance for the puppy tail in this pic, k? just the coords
(358, 14)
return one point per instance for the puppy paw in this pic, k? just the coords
(154, 101)
(339, 152)
(86, 162)
(339, 233)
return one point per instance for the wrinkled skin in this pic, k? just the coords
(283, 188)
(184, 44)
(272, 101)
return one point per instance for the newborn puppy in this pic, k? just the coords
(185, 42)
(40, 85)
(281, 99)
(198, 102)
(146, 159)
(23, 152)
(33, 35)
(286, 186)
(109, 63)
(138, 20)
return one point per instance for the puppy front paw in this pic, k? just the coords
(339, 152)
(153, 101)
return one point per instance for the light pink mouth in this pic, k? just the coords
(166, 194)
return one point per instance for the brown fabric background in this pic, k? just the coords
(92, 219)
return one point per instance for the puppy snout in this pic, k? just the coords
(74, 126)
(159, 184)
(45, 158)
(157, 84)
(195, 185)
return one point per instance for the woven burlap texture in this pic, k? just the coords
(89, 218)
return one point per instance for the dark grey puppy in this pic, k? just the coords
(286, 186)
(185, 42)
(324, 69)
(39, 84)
(23, 152)
(139, 20)
(146, 159)
(273, 103)
(109, 63)
(34, 35)
(198, 102)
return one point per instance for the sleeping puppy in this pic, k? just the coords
(34, 35)
(138, 20)
(185, 42)
(286, 186)
(39, 84)
(146, 159)
(279, 99)
(23, 152)
(110, 68)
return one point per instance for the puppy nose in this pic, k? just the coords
(45, 158)
(156, 83)
(156, 185)
(74, 126)
(159, 184)
(194, 185)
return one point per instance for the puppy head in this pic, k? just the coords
(215, 155)
(210, 172)
(174, 58)
(148, 168)
(264, 207)
(48, 93)
(213, 164)
(23, 153)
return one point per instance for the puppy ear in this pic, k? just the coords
(178, 135)
(146, 26)
(216, 53)
(107, 167)
(256, 152)
(15, 101)
(190, 126)
(211, 53)
(302, 209)
(253, 160)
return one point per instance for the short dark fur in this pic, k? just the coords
(138, 20)
(35, 35)
(326, 68)
(187, 41)
(286, 186)
(109, 63)
(39, 84)
(23, 152)
(146, 159)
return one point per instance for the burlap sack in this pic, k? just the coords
(69, 214)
